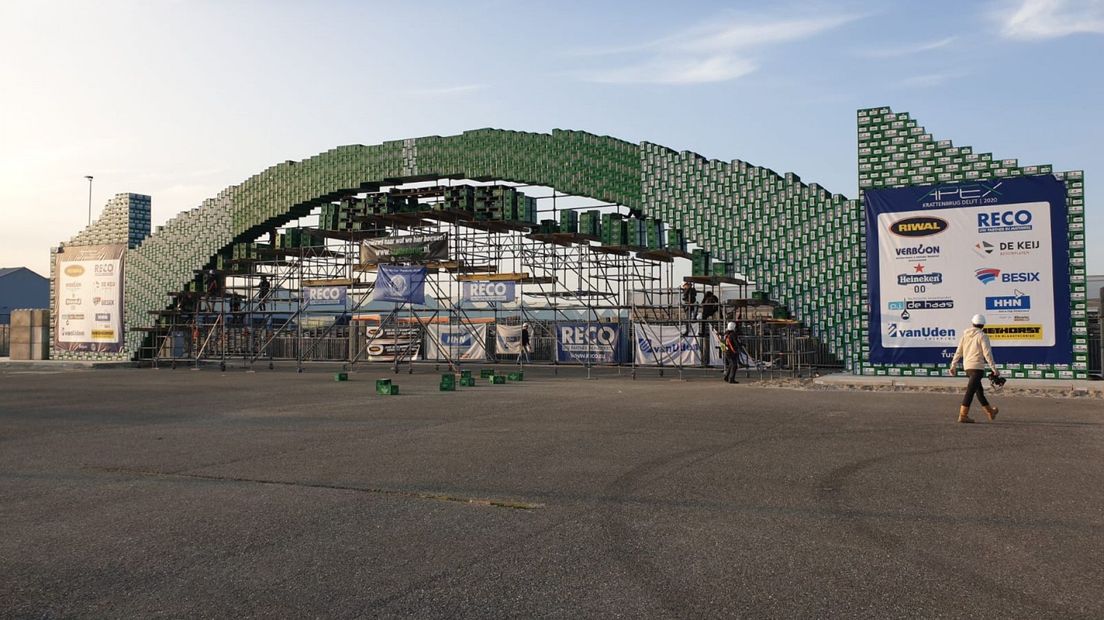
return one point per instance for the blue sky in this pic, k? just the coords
(179, 99)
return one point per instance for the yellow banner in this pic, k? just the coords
(1014, 332)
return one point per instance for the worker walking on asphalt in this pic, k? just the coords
(525, 346)
(731, 352)
(974, 351)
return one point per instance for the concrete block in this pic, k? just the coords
(20, 335)
(20, 318)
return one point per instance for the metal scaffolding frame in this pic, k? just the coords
(561, 277)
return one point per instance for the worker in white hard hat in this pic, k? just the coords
(974, 351)
(731, 352)
(525, 348)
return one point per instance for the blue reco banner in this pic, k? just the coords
(937, 255)
(399, 283)
(581, 342)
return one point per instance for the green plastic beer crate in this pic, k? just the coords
(569, 221)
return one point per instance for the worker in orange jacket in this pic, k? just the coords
(731, 352)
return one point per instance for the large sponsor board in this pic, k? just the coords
(457, 342)
(89, 290)
(936, 255)
(580, 342)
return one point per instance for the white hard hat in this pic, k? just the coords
(526, 325)
(731, 326)
(977, 319)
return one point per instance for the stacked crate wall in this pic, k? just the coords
(125, 219)
(894, 150)
(796, 241)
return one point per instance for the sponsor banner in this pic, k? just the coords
(508, 339)
(716, 348)
(1008, 303)
(938, 254)
(588, 342)
(326, 295)
(1014, 332)
(432, 246)
(399, 283)
(387, 349)
(89, 290)
(463, 342)
(664, 345)
(385, 344)
(487, 291)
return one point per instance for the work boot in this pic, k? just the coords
(991, 412)
(964, 415)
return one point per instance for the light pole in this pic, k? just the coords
(89, 177)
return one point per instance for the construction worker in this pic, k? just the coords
(974, 351)
(710, 305)
(689, 305)
(731, 352)
(263, 288)
(213, 289)
(525, 346)
(690, 300)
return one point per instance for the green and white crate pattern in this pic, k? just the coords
(794, 240)
(798, 241)
(896, 151)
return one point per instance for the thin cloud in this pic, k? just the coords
(674, 71)
(747, 33)
(1050, 19)
(715, 51)
(928, 80)
(446, 90)
(908, 50)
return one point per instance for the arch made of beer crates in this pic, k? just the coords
(803, 245)
(722, 206)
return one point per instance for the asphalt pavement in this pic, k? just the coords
(142, 492)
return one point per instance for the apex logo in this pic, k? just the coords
(962, 192)
(987, 274)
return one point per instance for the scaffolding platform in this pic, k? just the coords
(715, 280)
(561, 278)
